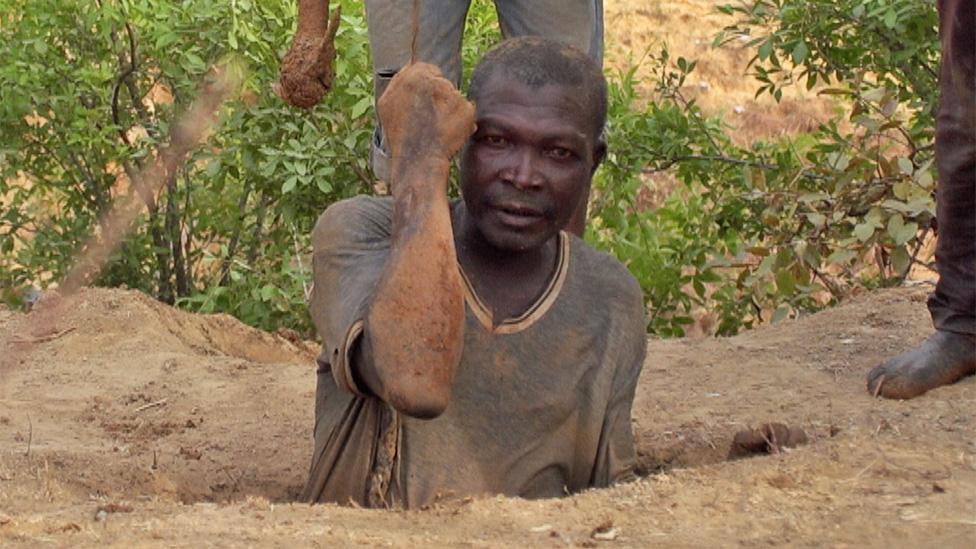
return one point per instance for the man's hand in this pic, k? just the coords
(306, 71)
(424, 116)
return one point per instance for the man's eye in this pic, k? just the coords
(494, 140)
(560, 153)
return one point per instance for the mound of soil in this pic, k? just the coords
(134, 423)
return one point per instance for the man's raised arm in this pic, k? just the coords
(414, 325)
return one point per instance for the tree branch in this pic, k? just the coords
(236, 238)
(125, 71)
(668, 162)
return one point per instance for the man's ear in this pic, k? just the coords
(599, 153)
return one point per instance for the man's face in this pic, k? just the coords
(527, 167)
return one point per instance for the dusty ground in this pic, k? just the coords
(142, 424)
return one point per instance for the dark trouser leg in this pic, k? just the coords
(953, 304)
(950, 353)
(391, 38)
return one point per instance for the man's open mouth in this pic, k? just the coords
(518, 215)
(519, 209)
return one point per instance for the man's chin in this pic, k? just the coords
(504, 238)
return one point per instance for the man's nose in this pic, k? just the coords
(523, 172)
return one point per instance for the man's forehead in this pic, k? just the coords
(544, 128)
(507, 98)
(501, 78)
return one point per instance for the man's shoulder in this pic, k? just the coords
(603, 270)
(361, 217)
(611, 298)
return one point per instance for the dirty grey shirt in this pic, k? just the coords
(540, 405)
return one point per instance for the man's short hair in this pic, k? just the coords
(536, 62)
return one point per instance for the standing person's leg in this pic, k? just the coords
(391, 38)
(950, 353)
(576, 22)
(953, 304)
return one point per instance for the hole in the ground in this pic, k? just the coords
(659, 452)
(696, 446)
(226, 473)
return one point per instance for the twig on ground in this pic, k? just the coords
(877, 389)
(708, 439)
(771, 443)
(861, 472)
(235, 482)
(159, 402)
(45, 338)
(30, 437)
(961, 521)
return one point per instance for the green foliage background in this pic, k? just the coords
(753, 233)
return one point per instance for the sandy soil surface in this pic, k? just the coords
(134, 423)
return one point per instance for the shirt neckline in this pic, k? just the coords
(536, 310)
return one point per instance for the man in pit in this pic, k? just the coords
(473, 347)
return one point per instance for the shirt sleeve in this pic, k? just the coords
(617, 457)
(351, 242)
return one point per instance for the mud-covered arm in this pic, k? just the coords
(307, 69)
(413, 331)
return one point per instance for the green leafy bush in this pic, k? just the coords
(89, 90)
(775, 229)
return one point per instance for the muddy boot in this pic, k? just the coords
(943, 358)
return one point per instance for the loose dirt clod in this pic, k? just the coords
(769, 438)
(190, 453)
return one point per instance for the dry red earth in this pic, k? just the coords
(140, 424)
